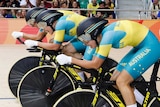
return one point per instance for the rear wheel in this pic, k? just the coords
(32, 87)
(19, 69)
(82, 98)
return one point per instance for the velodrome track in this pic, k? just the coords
(9, 54)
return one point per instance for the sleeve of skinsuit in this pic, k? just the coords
(110, 39)
(89, 53)
(59, 32)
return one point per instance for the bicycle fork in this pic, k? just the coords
(49, 89)
(93, 104)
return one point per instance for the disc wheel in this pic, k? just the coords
(33, 85)
(19, 69)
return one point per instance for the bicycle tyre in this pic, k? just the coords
(19, 69)
(33, 85)
(82, 98)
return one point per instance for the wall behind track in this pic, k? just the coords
(7, 26)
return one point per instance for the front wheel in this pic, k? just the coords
(82, 98)
(19, 69)
(32, 87)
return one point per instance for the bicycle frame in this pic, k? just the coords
(48, 57)
(71, 70)
(52, 61)
(151, 89)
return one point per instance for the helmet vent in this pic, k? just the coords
(48, 16)
(36, 13)
(95, 27)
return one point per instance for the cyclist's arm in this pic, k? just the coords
(56, 42)
(49, 46)
(109, 39)
(94, 64)
(39, 36)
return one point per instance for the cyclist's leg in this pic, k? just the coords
(74, 49)
(71, 51)
(33, 86)
(19, 69)
(140, 87)
(123, 79)
(122, 64)
(123, 83)
(136, 66)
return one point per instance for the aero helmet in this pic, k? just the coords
(47, 18)
(90, 28)
(32, 14)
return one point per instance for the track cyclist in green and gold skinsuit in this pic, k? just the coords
(95, 33)
(63, 27)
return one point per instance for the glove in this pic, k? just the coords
(30, 43)
(63, 59)
(16, 34)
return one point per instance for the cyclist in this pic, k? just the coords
(64, 28)
(95, 33)
(30, 19)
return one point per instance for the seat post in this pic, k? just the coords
(155, 70)
(153, 79)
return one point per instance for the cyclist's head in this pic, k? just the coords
(47, 18)
(32, 14)
(90, 29)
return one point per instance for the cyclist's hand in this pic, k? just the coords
(63, 59)
(16, 34)
(30, 43)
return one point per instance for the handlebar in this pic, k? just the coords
(32, 49)
(20, 40)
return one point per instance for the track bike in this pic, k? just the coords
(44, 85)
(22, 66)
(104, 96)
(29, 98)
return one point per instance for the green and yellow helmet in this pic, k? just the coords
(90, 28)
(47, 18)
(32, 14)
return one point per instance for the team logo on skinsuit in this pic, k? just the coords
(139, 56)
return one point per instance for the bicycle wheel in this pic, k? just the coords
(155, 102)
(82, 98)
(33, 85)
(19, 69)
